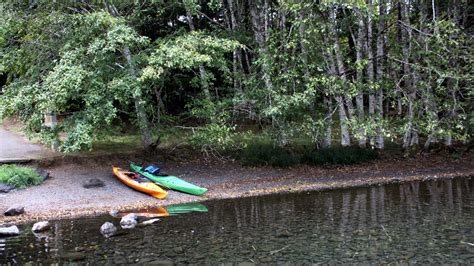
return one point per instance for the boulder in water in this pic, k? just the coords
(40, 226)
(108, 229)
(129, 221)
(9, 231)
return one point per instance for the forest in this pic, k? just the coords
(325, 73)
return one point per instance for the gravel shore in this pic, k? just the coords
(63, 196)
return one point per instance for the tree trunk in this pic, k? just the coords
(260, 21)
(236, 54)
(142, 117)
(360, 78)
(379, 139)
(428, 95)
(345, 137)
(411, 135)
(340, 62)
(260, 38)
(202, 70)
(370, 69)
(327, 139)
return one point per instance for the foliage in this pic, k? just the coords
(364, 71)
(19, 176)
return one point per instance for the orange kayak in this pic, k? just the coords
(139, 183)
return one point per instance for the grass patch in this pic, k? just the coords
(256, 154)
(130, 140)
(19, 176)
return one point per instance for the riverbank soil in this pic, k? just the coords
(63, 196)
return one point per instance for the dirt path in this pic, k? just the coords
(15, 146)
(63, 195)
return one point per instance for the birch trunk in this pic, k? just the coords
(428, 95)
(370, 69)
(345, 137)
(260, 38)
(340, 62)
(306, 77)
(360, 78)
(236, 55)
(411, 135)
(202, 70)
(260, 22)
(379, 139)
(327, 139)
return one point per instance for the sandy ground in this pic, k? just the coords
(62, 195)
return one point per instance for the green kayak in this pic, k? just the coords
(170, 181)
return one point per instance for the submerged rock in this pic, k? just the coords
(108, 229)
(9, 231)
(43, 236)
(283, 233)
(93, 182)
(160, 262)
(40, 226)
(113, 213)
(129, 221)
(4, 188)
(74, 256)
(178, 250)
(16, 210)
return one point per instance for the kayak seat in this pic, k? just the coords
(137, 177)
(153, 169)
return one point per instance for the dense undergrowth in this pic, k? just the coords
(257, 154)
(19, 176)
(249, 148)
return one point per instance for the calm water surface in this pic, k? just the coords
(421, 222)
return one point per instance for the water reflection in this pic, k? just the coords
(160, 211)
(419, 222)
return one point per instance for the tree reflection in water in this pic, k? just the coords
(418, 222)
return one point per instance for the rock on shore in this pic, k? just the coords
(93, 182)
(4, 188)
(16, 210)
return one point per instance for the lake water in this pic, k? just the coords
(428, 222)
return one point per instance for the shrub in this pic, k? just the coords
(259, 153)
(215, 136)
(267, 154)
(19, 176)
(339, 155)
